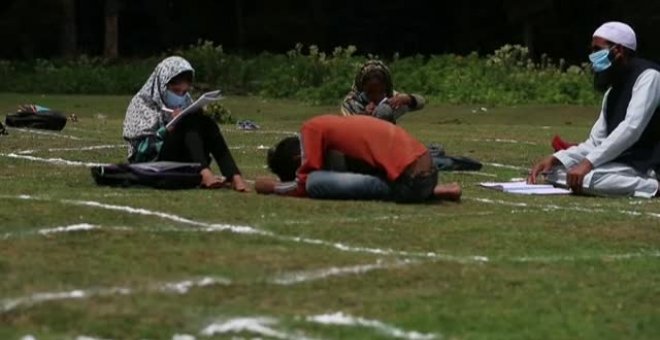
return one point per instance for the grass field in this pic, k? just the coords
(146, 264)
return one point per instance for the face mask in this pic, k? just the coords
(175, 101)
(601, 60)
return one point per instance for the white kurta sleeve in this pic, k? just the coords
(573, 155)
(645, 100)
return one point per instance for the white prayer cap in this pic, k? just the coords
(618, 33)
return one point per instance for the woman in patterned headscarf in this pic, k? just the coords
(194, 139)
(373, 94)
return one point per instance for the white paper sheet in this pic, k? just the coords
(522, 188)
(202, 101)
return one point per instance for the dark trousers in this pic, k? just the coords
(193, 140)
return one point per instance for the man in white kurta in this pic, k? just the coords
(597, 166)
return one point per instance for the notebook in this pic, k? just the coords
(522, 188)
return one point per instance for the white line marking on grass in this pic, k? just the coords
(507, 166)
(259, 232)
(84, 148)
(174, 218)
(68, 229)
(500, 140)
(554, 207)
(86, 337)
(261, 132)
(57, 161)
(185, 286)
(341, 319)
(183, 337)
(241, 147)
(263, 326)
(177, 287)
(45, 133)
(7, 305)
(321, 274)
(575, 258)
(474, 173)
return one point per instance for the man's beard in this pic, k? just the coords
(605, 79)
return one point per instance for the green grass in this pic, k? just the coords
(552, 272)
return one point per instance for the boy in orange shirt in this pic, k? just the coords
(407, 172)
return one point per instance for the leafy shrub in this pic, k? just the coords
(507, 77)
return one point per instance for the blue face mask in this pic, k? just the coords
(600, 60)
(175, 101)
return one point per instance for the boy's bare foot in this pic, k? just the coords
(209, 180)
(238, 184)
(448, 192)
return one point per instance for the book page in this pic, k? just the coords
(522, 188)
(202, 101)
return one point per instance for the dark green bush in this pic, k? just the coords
(507, 77)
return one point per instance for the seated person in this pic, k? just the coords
(193, 139)
(622, 155)
(408, 173)
(373, 95)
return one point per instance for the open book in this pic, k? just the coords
(202, 101)
(522, 188)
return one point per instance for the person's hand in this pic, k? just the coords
(575, 176)
(370, 109)
(175, 113)
(543, 166)
(400, 100)
(238, 184)
(265, 185)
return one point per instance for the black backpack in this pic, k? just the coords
(46, 120)
(159, 175)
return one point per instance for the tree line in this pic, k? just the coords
(133, 28)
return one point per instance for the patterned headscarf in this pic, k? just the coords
(144, 115)
(369, 69)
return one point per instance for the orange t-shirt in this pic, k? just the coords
(381, 144)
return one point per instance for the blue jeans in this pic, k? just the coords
(346, 186)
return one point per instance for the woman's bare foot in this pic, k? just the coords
(209, 180)
(448, 192)
(238, 184)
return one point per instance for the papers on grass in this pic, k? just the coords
(202, 101)
(522, 188)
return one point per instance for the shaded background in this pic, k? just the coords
(133, 28)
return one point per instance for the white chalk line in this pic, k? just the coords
(384, 218)
(554, 207)
(502, 140)
(259, 132)
(342, 319)
(184, 286)
(244, 147)
(174, 287)
(57, 161)
(247, 230)
(472, 173)
(321, 274)
(84, 148)
(507, 166)
(259, 325)
(267, 326)
(45, 133)
(237, 229)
